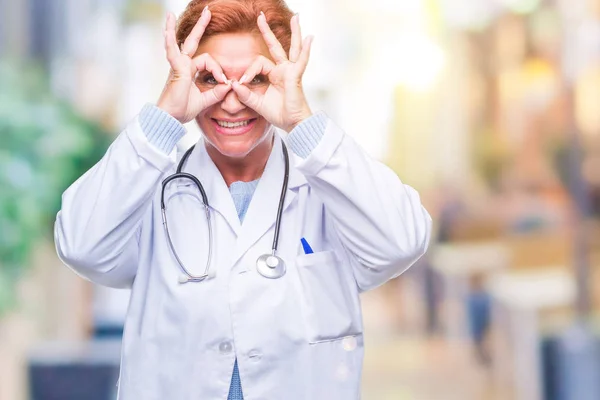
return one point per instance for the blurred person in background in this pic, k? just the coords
(204, 320)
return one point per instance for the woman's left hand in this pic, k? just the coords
(283, 104)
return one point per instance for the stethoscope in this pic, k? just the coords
(268, 265)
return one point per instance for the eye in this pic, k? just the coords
(209, 79)
(206, 80)
(258, 79)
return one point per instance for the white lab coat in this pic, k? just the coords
(295, 338)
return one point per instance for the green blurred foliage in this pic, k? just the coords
(45, 146)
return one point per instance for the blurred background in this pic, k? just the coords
(490, 108)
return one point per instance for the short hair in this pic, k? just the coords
(235, 16)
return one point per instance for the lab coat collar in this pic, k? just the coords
(202, 167)
(262, 212)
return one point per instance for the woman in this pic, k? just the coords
(347, 222)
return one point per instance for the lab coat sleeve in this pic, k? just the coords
(97, 229)
(380, 221)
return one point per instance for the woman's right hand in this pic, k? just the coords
(180, 97)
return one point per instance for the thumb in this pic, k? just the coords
(247, 96)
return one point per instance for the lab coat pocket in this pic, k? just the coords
(331, 311)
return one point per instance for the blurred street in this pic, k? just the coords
(490, 109)
(418, 368)
(415, 367)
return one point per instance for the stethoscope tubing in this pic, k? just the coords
(189, 277)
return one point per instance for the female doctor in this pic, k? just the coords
(246, 256)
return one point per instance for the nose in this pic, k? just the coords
(232, 104)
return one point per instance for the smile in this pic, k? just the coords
(226, 124)
(233, 128)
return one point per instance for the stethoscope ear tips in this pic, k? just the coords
(183, 279)
(211, 273)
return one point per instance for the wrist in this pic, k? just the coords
(166, 109)
(160, 128)
(303, 117)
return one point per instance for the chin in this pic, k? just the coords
(238, 146)
(233, 151)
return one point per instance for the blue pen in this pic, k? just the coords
(306, 246)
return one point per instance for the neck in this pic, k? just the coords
(246, 169)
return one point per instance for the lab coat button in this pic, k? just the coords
(225, 347)
(349, 343)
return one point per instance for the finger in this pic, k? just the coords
(296, 45)
(262, 65)
(275, 48)
(205, 62)
(215, 95)
(170, 22)
(248, 97)
(191, 42)
(305, 54)
(170, 41)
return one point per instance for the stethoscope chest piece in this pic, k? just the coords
(270, 266)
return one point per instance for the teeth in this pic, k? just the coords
(225, 124)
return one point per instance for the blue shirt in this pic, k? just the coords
(242, 193)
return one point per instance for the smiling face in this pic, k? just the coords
(229, 126)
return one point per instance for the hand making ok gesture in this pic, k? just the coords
(283, 104)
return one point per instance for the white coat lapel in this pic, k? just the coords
(202, 167)
(262, 212)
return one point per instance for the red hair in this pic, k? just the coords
(234, 16)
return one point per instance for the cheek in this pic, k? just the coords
(202, 119)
